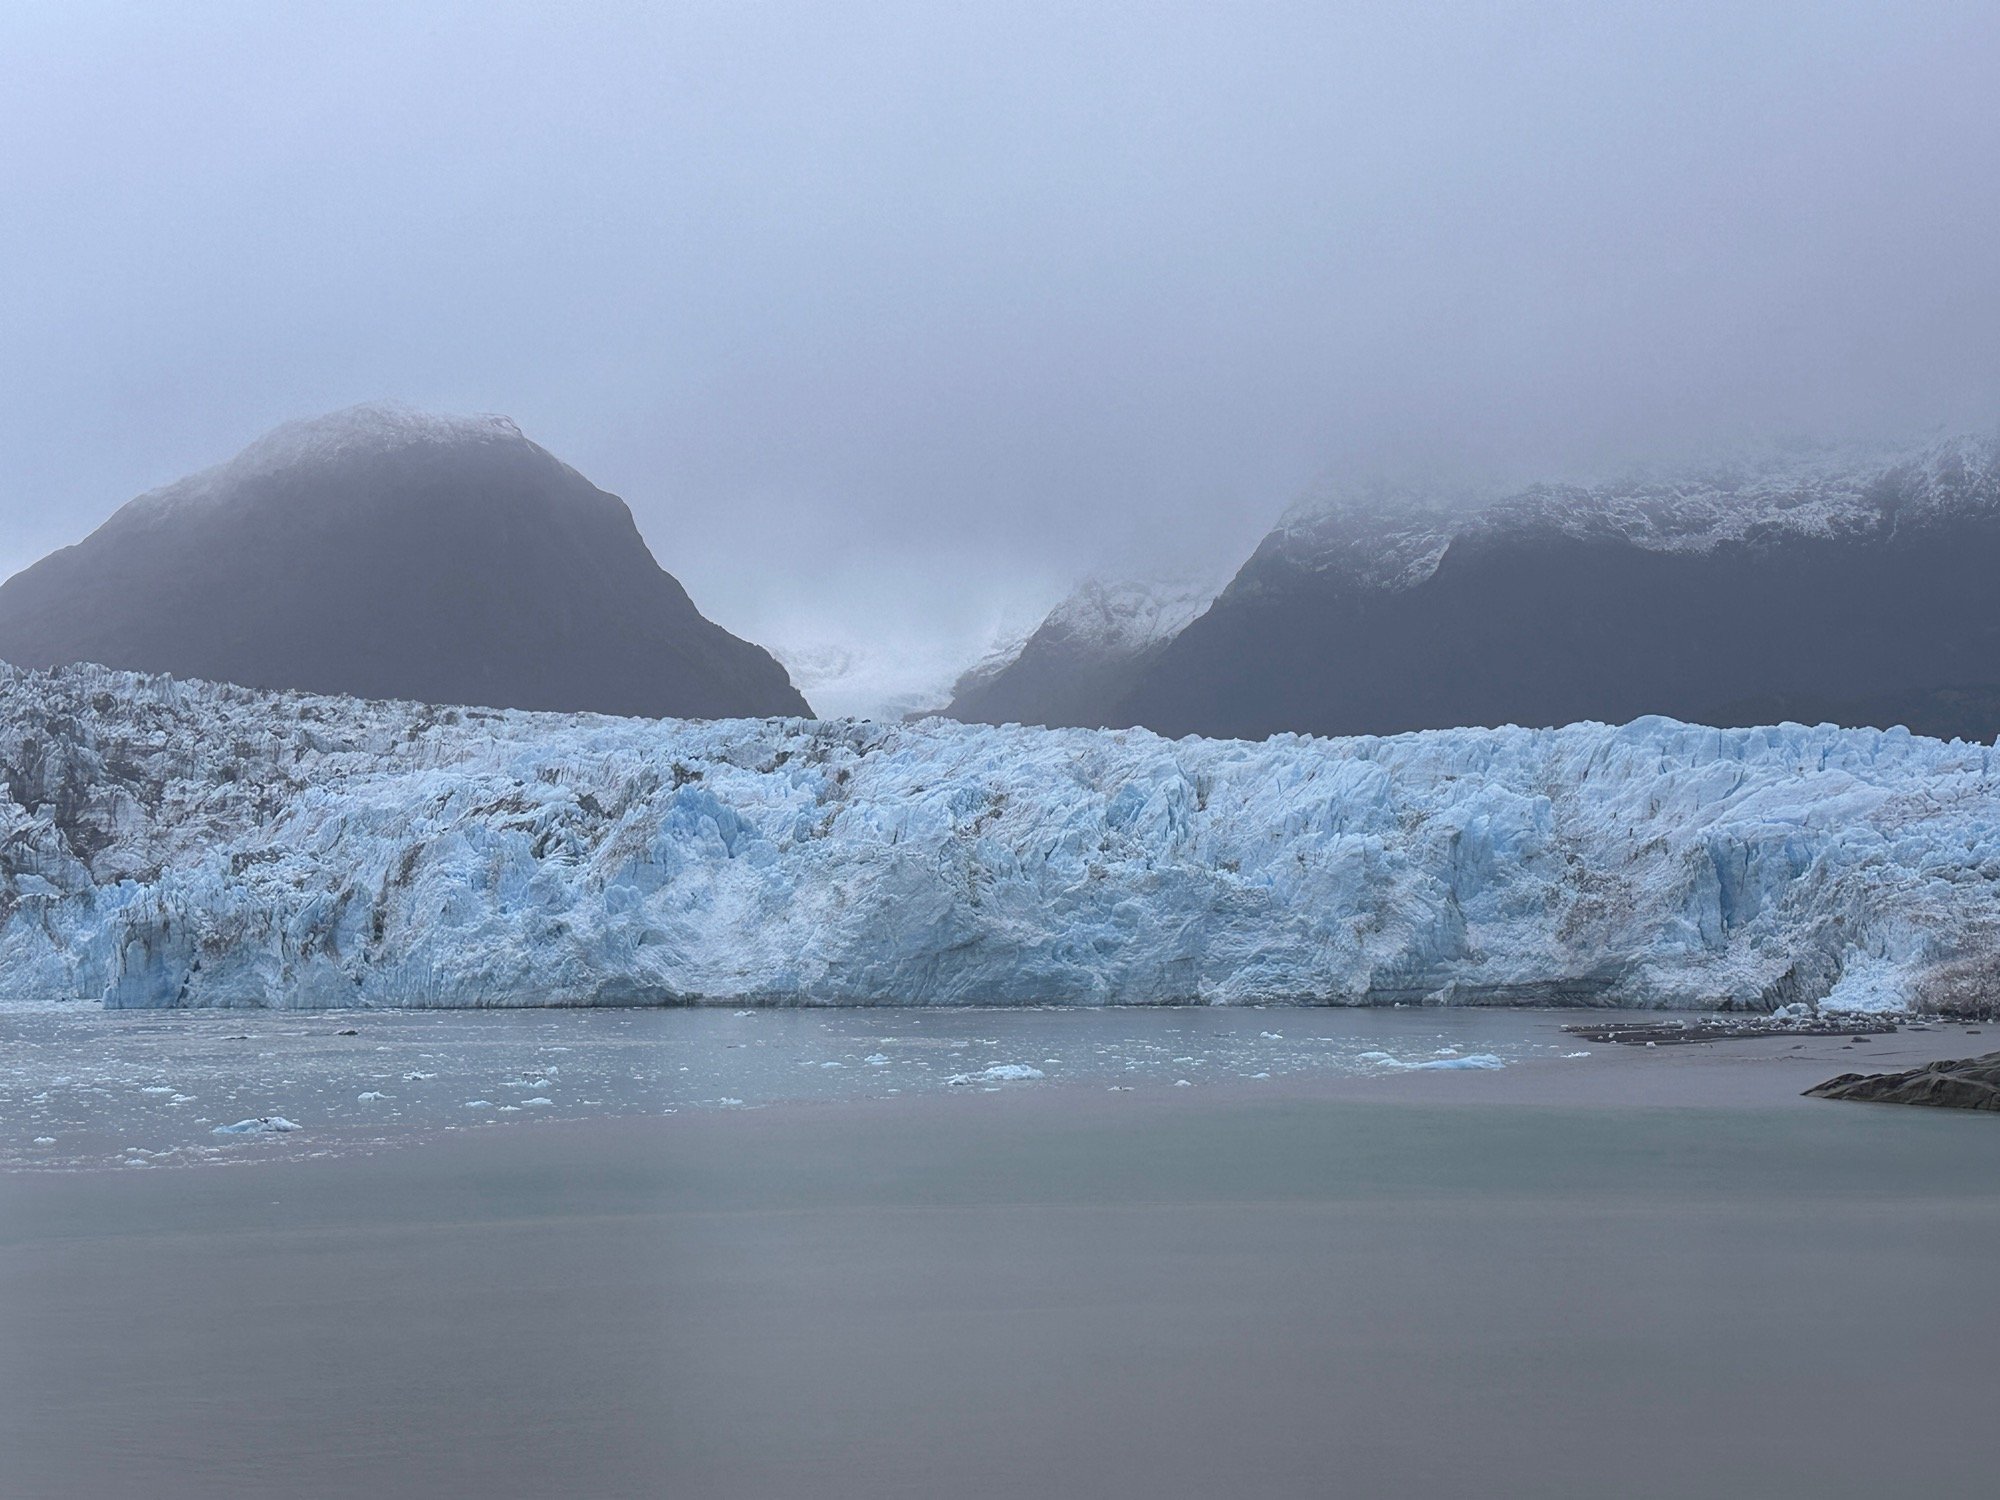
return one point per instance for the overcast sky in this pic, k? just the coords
(887, 319)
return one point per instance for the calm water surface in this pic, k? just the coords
(82, 1086)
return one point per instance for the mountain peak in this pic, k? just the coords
(387, 552)
(370, 430)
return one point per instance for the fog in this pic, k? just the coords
(890, 320)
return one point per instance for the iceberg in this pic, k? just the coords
(170, 843)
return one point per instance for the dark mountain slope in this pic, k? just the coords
(1856, 593)
(390, 554)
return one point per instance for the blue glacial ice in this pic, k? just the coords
(172, 843)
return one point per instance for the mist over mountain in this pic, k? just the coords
(1818, 587)
(1076, 667)
(386, 553)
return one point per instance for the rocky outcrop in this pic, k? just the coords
(1969, 1083)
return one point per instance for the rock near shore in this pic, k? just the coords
(1967, 1083)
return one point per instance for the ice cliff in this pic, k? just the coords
(174, 843)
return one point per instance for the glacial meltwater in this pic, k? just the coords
(81, 1086)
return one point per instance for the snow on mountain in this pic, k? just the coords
(1127, 615)
(1073, 666)
(1811, 586)
(372, 428)
(1389, 536)
(170, 843)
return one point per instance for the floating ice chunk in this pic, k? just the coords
(262, 1125)
(1260, 1075)
(1482, 1060)
(877, 1060)
(1011, 1073)
(418, 1077)
(536, 1102)
(370, 1097)
(1791, 1014)
(1478, 1060)
(1576, 1054)
(156, 1089)
(833, 1065)
(1182, 1083)
(1271, 1036)
(479, 1104)
(999, 1073)
(45, 1140)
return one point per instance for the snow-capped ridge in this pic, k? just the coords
(1390, 535)
(375, 427)
(1126, 615)
(1070, 668)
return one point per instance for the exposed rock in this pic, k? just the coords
(1968, 1083)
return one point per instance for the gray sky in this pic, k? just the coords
(889, 318)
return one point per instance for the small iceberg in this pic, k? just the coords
(1476, 1060)
(262, 1125)
(999, 1073)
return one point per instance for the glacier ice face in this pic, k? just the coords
(170, 843)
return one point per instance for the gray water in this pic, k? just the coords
(1176, 1292)
(83, 1087)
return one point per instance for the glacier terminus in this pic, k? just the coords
(175, 843)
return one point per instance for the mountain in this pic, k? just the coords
(392, 554)
(1856, 591)
(173, 843)
(1084, 657)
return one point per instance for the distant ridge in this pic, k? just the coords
(1075, 667)
(1849, 589)
(390, 553)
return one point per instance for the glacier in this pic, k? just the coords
(175, 843)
